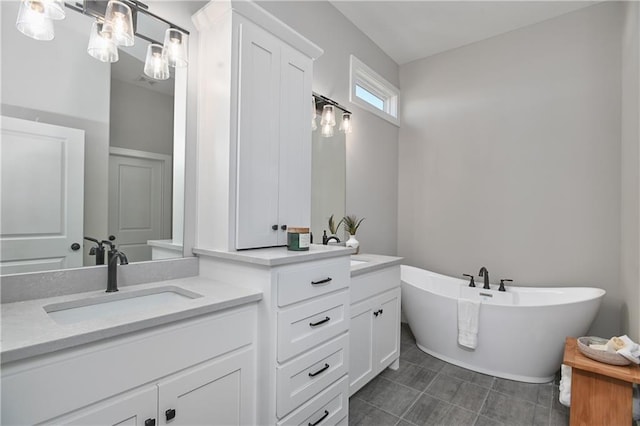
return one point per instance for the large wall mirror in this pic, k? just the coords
(125, 176)
(328, 173)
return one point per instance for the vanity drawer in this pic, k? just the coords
(305, 326)
(303, 282)
(305, 376)
(329, 408)
(372, 283)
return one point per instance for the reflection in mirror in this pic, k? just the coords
(328, 174)
(88, 149)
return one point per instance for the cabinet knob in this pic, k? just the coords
(150, 422)
(75, 246)
(274, 227)
(283, 227)
(170, 414)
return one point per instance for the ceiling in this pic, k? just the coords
(411, 30)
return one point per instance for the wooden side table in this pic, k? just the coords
(601, 394)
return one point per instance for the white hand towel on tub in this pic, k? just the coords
(468, 318)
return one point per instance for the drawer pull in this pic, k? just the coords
(322, 321)
(326, 280)
(324, 416)
(319, 371)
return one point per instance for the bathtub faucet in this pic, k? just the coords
(484, 273)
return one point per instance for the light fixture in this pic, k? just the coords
(101, 45)
(176, 48)
(345, 126)
(156, 66)
(314, 124)
(119, 22)
(53, 9)
(33, 21)
(327, 130)
(114, 27)
(328, 116)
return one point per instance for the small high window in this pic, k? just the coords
(373, 92)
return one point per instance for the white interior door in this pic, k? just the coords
(42, 193)
(139, 200)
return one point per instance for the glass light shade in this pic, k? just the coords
(327, 130)
(119, 23)
(156, 66)
(345, 126)
(33, 22)
(314, 124)
(176, 46)
(328, 116)
(101, 45)
(53, 9)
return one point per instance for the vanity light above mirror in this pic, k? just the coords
(326, 108)
(116, 24)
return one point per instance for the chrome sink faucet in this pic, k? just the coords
(112, 265)
(484, 273)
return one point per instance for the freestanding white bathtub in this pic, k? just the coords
(521, 332)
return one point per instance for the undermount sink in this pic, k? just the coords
(116, 304)
(357, 262)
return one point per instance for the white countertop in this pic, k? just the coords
(372, 262)
(274, 256)
(27, 330)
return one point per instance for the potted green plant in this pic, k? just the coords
(351, 223)
(333, 227)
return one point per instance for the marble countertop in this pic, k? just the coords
(27, 329)
(372, 262)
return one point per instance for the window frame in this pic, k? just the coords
(361, 75)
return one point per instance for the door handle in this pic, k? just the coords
(75, 246)
(319, 371)
(317, 422)
(315, 324)
(326, 280)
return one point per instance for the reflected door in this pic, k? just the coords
(42, 192)
(139, 200)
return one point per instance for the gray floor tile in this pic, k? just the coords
(468, 375)
(508, 410)
(486, 421)
(458, 392)
(531, 392)
(541, 415)
(388, 396)
(415, 356)
(404, 423)
(362, 413)
(428, 411)
(405, 333)
(559, 418)
(458, 416)
(411, 375)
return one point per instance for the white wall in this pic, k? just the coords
(510, 157)
(630, 167)
(57, 82)
(372, 148)
(141, 119)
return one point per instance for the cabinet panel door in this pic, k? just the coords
(361, 344)
(220, 392)
(258, 139)
(132, 409)
(294, 207)
(386, 342)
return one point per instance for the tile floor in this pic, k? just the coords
(428, 391)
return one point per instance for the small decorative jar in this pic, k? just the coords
(298, 239)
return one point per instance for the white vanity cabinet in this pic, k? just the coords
(254, 131)
(199, 371)
(303, 330)
(375, 325)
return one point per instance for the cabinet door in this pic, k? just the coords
(294, 202)
(361, 343)
(132, 409)
(386, 341)
(258, 139)
(220, 392)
